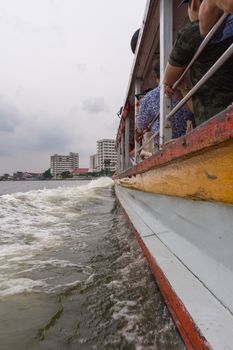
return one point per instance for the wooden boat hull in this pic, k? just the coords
(197, 166)
(208, 176)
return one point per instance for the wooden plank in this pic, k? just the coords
(207, 176)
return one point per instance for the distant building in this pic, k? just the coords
(106, 151)
(20, 175)
(6, 177)
(80, 171)
(93, 162)
(60, 163)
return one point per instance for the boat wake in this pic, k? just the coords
(37, 221)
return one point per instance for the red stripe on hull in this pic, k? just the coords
(187, 328)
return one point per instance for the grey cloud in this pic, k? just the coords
(60, 34)
(19, 91)
(35, 141)
(4, 152)
(47, 140)
(53, 3)
(94, 105)
(26, 26)
(9, 117)
(81, 67)
(30, 28)
(73, 112)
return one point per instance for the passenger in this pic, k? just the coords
(223, 5)
(141, 138)
(150, 106)
(211, 11)
(217, 93)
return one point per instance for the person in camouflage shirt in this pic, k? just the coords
(217, 93)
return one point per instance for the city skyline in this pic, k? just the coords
(107, 151)
(59, 91)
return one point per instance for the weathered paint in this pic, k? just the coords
(199, 165)
(208, 135)
(207, 176)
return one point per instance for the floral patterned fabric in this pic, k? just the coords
(150, 106)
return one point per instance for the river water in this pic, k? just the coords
(72, 276)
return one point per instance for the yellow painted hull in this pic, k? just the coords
(206, 176)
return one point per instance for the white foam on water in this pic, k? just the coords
(64, 286)
(20, 285)
(122, 310)
(114, 284)
(36, 221)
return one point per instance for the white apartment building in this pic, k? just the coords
(106, 151)
(93, 162)
(60, 163)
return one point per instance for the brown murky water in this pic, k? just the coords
(72, 276)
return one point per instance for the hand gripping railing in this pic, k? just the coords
(202, 81)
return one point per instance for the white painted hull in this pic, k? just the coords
(189, 247)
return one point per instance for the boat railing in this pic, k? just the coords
(148, 141)
(201, 48)
(165, 112)
(226, 55)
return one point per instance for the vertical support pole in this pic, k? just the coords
(138, 84)
(122, 152)
(127, 142)
(166, 41)
(118, 158)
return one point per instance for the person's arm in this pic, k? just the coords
(186, 43)
(171, 75)
(209, 14)
(225, 5)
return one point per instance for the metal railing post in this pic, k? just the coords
(127, 142)
(122, 153)
(166, 41)
(119, 157)
(138, 84)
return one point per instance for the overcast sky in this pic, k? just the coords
(64, 71)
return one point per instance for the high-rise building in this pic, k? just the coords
(93, 162)
(107, 156)
(60, 163)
